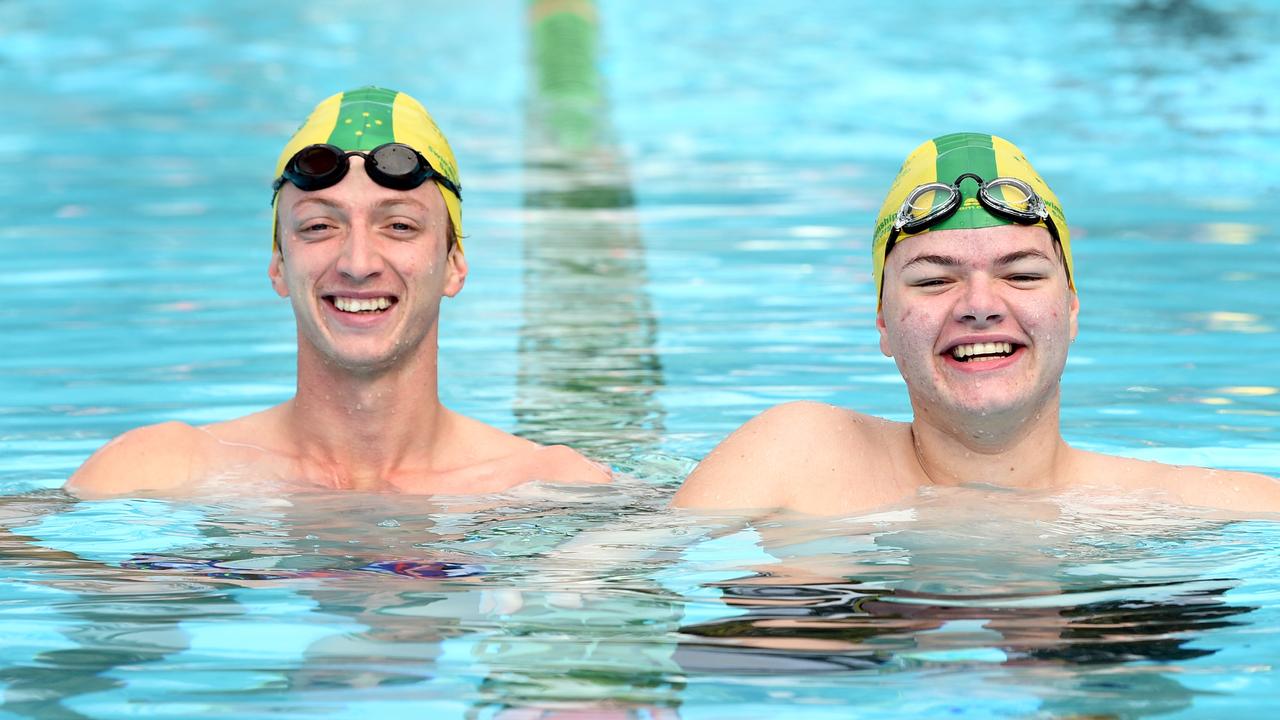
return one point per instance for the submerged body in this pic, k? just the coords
(978, 316)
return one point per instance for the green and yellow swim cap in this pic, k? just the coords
(363, 119)
(946, 158)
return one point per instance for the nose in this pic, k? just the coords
(980, 306)
(360, 259)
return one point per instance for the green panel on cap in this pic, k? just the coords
(960, 153)
(364, 119)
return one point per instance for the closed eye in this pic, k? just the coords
(929, 282)
(1026, 277)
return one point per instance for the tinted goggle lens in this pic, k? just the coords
(396, 159)
(317, 161)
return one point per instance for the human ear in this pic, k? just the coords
(275, 271)
(884, 334)
(456, 271)
(1075, 314)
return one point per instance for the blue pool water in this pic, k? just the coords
(656, 256)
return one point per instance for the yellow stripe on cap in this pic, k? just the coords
(919, 168)
(1010, 162)
(316, 130)
(367, 117)
(415, 127)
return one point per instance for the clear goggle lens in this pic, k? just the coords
(1013, 196)
(925, 203)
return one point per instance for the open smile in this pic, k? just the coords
(354, 308)
(361, 305)
(983, 356)
(983, 351)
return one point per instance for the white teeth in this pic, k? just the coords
(346, 304)
(973, 350)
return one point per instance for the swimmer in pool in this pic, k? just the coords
(367, 220)
(978, 306)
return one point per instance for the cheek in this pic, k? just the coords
(419, 268)
(913, 321)
(910, 330)
(1048, 322)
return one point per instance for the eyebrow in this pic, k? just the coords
(1014, 257)
(948, 261)
(932, 260)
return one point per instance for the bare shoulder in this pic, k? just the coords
(1186, 484)
(563, 464)
(152, 458)
(789, 456)
(497, 459)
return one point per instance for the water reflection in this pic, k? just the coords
(279, 606)
(494, 608)
(842, 626)
(83, 623)
(588, 364)
(1097, 616)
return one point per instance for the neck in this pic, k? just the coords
(1016, 450)
(359, 428)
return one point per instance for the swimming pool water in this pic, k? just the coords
(660, 248)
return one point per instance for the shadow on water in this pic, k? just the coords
(1188, 18)
(589, 369)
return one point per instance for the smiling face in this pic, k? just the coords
(978, 320)
(365, 268)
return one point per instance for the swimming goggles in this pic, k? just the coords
(392, 165)
(1004, 197)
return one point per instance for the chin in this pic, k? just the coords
(366, 362)
(1000, 404)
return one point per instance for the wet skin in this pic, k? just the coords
(365, 269)
(979, 322)
(956, 288)
(359, 241)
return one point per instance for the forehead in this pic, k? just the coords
(973, 246)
